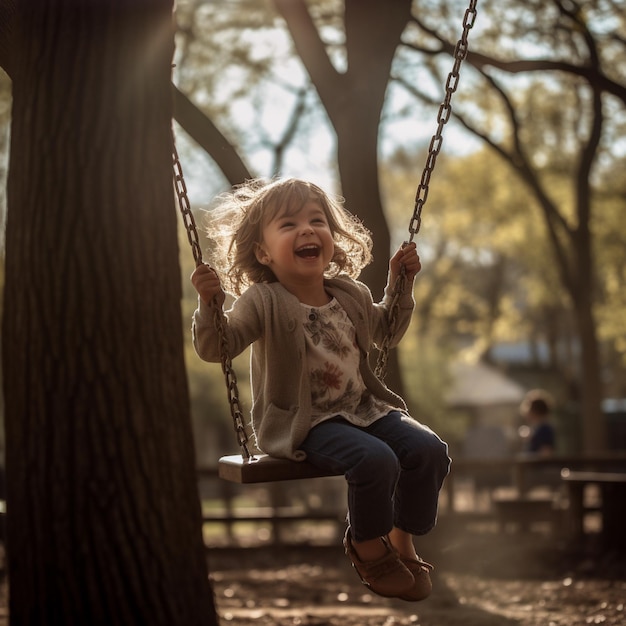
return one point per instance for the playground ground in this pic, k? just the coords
(485, 578)
(481, 579)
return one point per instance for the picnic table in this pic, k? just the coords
(610, 489)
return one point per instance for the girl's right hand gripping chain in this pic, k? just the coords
(207, 284)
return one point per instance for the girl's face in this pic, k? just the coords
(298, 247)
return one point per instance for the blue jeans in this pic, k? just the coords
(394, 468)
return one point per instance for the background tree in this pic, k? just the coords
(556, 131)
(480, 288)
(104, 523)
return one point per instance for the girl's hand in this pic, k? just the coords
(406, 257)
(207, 284)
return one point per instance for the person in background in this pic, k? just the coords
(538, 433)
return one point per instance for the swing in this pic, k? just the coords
(248, 468)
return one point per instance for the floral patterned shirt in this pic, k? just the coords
(333, 357)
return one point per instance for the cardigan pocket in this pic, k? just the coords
(275, 433)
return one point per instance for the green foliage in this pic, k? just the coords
(610, 250)
(425, 364)
(477, 265)
(488, 274)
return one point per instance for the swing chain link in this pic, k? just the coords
(231, 383)
(383, 354)
(232, 389)
(443, 116)
(185, 209)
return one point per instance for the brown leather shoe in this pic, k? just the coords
(387, 576)
(421, 574)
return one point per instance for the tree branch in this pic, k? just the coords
(209, 137)
(517, 159)
(310, 48)
(590, 150)
(280, 147)
(592, 73)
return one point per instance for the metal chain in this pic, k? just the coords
(444, 114)
(185, 209)
(218, 316)
(383, 355)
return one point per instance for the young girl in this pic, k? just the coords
(291, 254)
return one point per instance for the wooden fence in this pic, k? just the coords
(510, 491)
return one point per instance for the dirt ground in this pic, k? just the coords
(481, 579)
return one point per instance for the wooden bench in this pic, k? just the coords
(521, 469)
(522, 512)
(611, 505)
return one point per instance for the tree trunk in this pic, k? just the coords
(358, 168)
(104, 524)
(594, 423)
(373, 31)
(353, 101)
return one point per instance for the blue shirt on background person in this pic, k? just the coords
(539, 434)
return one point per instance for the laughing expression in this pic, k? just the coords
(298, 247)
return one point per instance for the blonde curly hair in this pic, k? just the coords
(235, 229)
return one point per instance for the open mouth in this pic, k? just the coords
(308, 252)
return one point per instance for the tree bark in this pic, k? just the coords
(104, 523)
(7, 22)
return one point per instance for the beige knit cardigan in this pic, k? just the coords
(270, 318)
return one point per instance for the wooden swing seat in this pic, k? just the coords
(261, 468)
